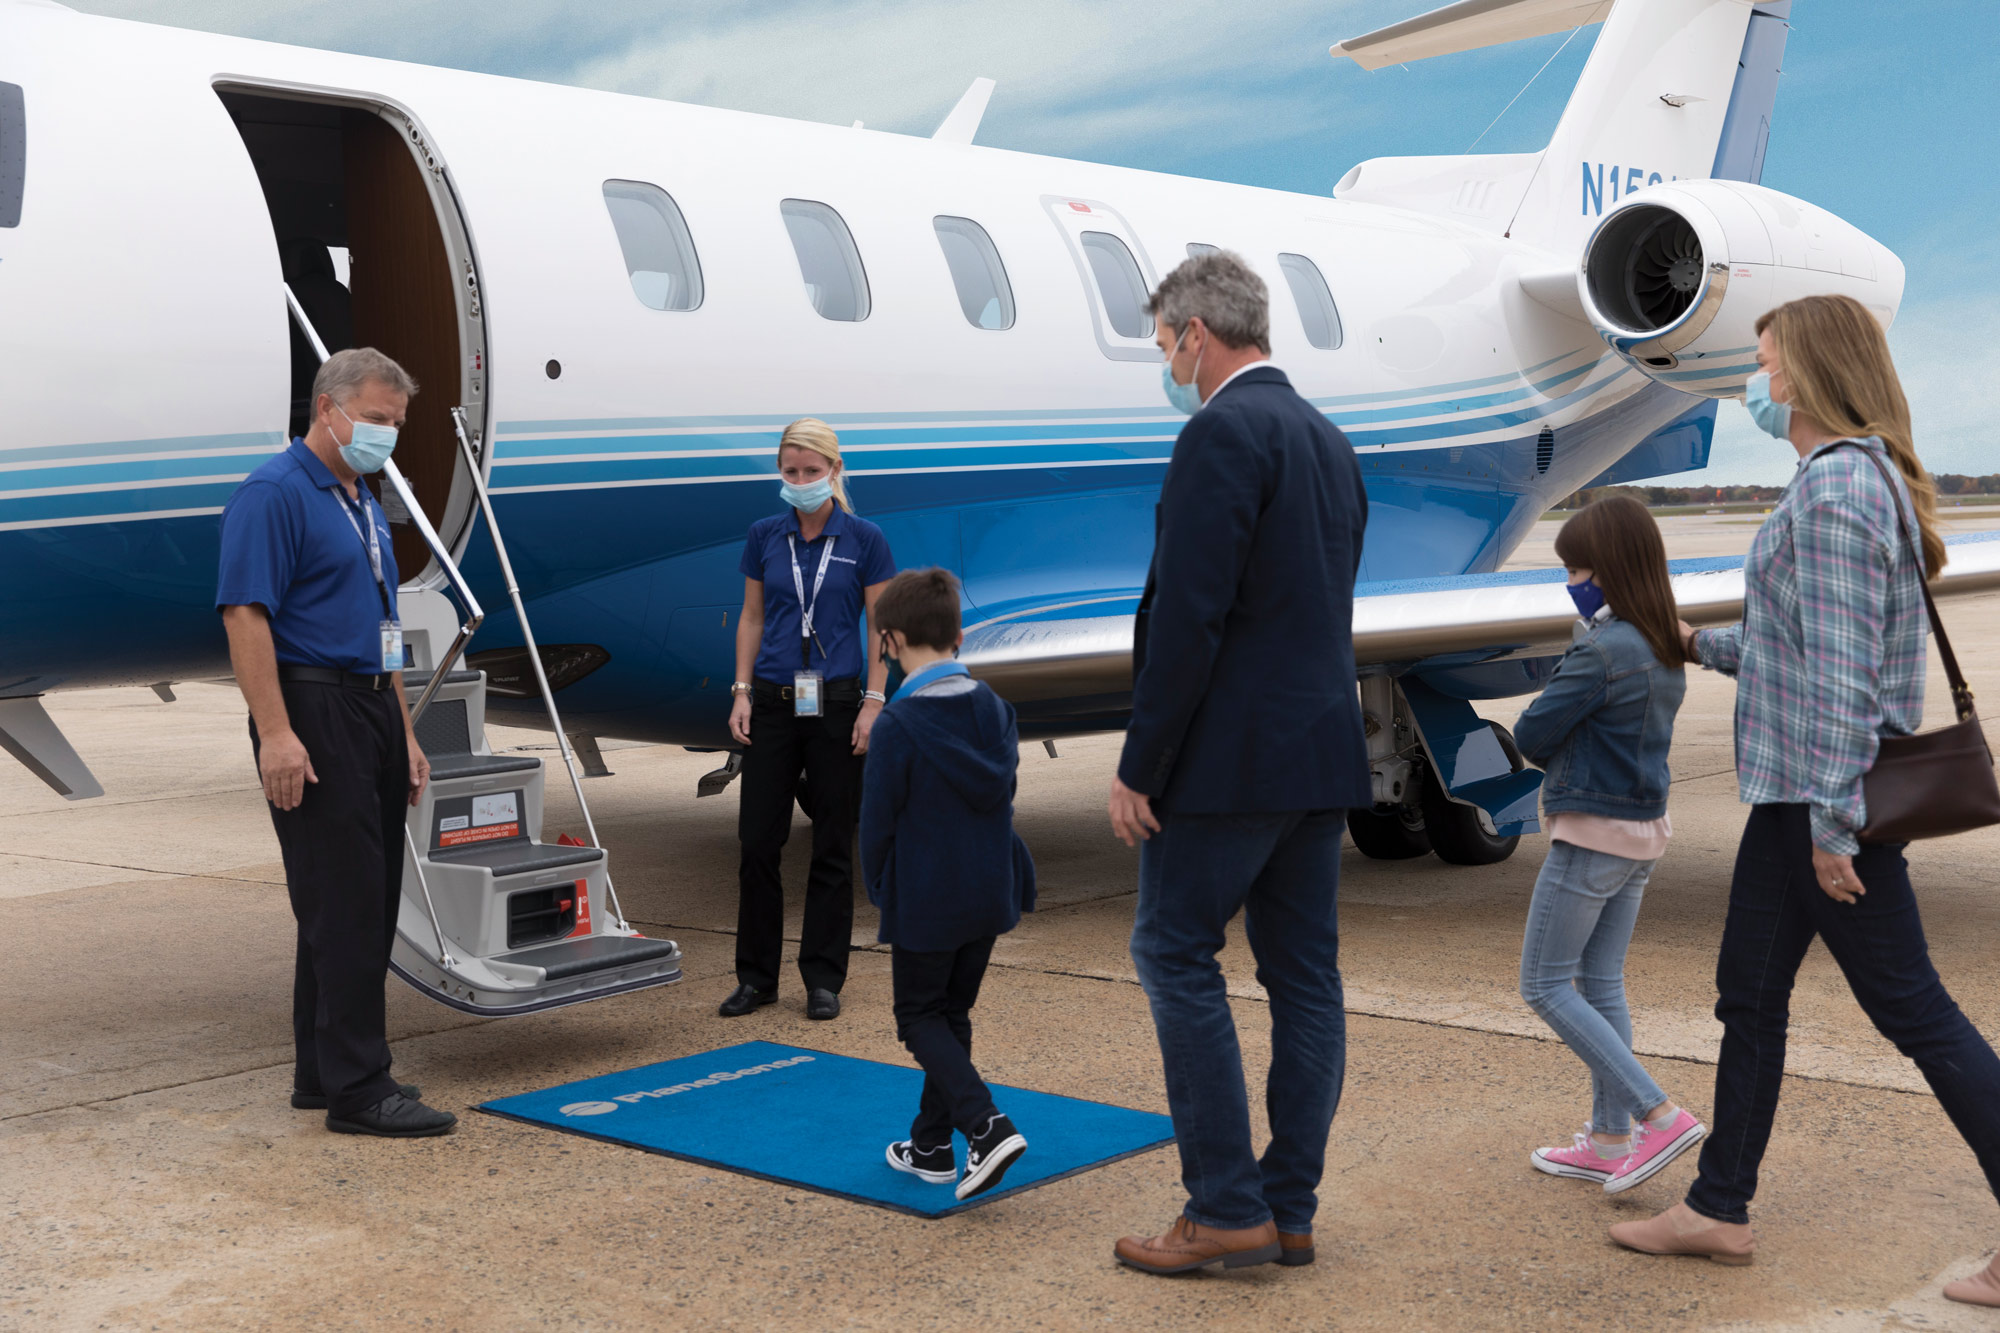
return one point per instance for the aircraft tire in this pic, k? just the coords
(1396, 835)
(1455, 833)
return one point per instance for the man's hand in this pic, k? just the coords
(285, 769)
(739, 719)
(420, 768)
(1131, 814)
(864, 723)
(1836, 876)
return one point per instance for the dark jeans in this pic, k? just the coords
(1283, 872)
(343, 851)
(782, 747)
(934, 995)
(1776, 907)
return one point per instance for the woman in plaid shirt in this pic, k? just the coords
(1829, 657)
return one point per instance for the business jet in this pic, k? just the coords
(613, 304)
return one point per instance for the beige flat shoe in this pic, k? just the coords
(1681, 1230)
(1982, 1288)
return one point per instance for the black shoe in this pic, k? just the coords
(316, 1101)
(822, 1004)
(745, 998)
(988, 1154)
(394, 1117)
(933, 1166)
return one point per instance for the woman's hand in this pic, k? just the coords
(1836, 876)
(739, 719)
(864, 722)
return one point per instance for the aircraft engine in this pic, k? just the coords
(1676, 275)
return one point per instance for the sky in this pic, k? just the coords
(1885, 116)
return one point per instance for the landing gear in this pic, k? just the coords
(1394, 833)
(1462, 835)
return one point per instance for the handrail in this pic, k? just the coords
(534, 652)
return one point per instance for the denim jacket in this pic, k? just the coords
(1601, 728)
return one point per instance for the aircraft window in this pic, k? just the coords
(976, 272)
(829, 264)
(1196, 249)
(13, 153)
(1119, 283)
(1316, 309)
(659, 252)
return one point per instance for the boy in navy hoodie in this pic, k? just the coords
(944, 865)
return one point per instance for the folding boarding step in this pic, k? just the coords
(520, 924)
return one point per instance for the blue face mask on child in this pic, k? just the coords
(807, 498)
(1589, 598)
(1772, 417)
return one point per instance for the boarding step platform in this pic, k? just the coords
(494, 920)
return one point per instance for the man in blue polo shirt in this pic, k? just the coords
(307, 592)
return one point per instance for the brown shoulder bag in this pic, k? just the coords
(1934, 783)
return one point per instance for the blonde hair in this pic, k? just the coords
(1837, 364)
(814, 434)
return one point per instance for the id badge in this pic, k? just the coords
(805, 694)
(392, 646)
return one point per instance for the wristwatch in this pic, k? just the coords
(876, 695)
(740, 687)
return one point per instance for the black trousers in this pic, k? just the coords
(343, 851)
(782, 748)
(934, 995)
(1776, 909)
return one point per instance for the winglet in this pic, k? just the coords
(963, 122)
(1466, 26)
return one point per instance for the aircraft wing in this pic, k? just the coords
(1083, 648)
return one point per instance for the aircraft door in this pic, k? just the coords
(1117, 276)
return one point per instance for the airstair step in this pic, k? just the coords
(518, 857)
(446, 766)
(415, 684)
(592, 953)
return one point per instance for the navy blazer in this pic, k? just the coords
(1243, 694)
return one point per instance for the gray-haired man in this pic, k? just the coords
(307, 592)
(1243, 751)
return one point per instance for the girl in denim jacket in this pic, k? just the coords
(1601, 731)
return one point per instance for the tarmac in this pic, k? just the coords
(152, 1175)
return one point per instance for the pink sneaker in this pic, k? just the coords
(1653, 1148)
(1579, 1161)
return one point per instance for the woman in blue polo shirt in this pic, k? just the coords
(810, 573)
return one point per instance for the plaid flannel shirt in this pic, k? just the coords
(1829, 656)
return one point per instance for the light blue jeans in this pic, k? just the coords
(1573, 973)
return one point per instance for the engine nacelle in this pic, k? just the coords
(1676, 275)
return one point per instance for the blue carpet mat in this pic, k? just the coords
(821, 1122)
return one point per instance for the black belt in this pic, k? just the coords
(833, 691)
(312, 675)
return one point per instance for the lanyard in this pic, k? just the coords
(799, 585)
(372, 543)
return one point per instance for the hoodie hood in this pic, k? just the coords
(965, 737)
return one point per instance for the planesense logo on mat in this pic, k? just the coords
(719, 1076)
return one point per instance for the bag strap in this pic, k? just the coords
(1961, 694)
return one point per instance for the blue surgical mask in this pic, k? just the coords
(809, 497)
(1186, 397)
(369, 445)
(1589, 598)
(1772, 417)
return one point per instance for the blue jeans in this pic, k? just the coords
(1776, 908)
(1283, 872)
(1573, 973)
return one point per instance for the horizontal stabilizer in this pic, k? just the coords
(1467, 26)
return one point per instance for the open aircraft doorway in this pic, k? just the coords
(357, 181)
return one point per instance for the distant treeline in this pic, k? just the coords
(1662, 497)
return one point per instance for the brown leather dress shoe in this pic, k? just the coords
(1681, 1230)
(1295, 1249)
(1188, 1245)
(1982, 1288)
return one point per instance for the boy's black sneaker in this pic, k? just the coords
(988, 1154)
(933, 1166)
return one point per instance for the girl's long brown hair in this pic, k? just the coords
(1837, 366)
(1618, 542)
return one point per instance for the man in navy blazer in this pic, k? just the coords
(1244, 751)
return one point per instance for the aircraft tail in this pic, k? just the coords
(1674, 89)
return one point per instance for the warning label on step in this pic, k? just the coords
(488, 818)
